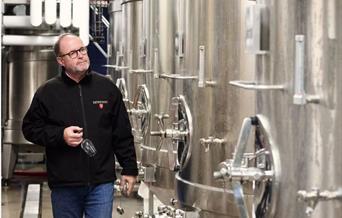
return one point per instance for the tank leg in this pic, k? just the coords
(9, 158)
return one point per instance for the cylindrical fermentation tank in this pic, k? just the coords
(298, 105)
(26, 69)
(305, 119)
(155, 154)
(214, 56)
(126, 36)
(132, 38)
(116, 30)
(197, 98)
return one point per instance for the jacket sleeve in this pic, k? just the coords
(38, 129)
(123, 141)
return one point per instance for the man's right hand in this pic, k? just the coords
(73, 135)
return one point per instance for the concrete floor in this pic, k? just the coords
(13, 195)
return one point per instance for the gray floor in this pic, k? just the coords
(12, 199)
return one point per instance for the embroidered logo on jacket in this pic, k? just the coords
(100, 103)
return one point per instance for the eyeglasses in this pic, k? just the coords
(74, 53)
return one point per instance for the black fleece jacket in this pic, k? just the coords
(96, 105)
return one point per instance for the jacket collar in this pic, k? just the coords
(70, 81)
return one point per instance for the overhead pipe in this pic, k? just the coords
(84, 21)
(65, 13)
(20, 40)
(23, 22)
(36, 12)
(15, 2)
(16, 22)
(76, 13)
(50, 11)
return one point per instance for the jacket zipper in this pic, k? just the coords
(85, 132)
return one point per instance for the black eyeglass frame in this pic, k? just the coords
(74, 53)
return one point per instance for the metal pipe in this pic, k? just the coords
(201, 79)
(299, 96)
(252, 85)
(15, 2)
(17, 22)
(65, 13)
(29, 40)
(99, 48)
(50, 11)
(36, 12)
(76, 13)
(84, 22)
(176, 76)
(140, 71)
(103, 18)
(331, 19)
(156, 63)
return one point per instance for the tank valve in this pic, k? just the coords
(242, 173)
(120, 210)
(211, 141)
(167, 211)
(171, 212)
(139, 214)
(223, 172)
(311, 198)
(173, 201)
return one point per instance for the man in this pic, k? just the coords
(80, 118)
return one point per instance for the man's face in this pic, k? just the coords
(79, 61)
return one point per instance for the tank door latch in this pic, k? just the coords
(179, 133)
(256, 167)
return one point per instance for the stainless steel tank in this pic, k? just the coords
(213, 56)
(132, 60)
(133, 39)
(149, 146)
(314, 108)
(131, 63)
(298, 50)
(155, 154)
(145, 99)
(116, 30)
(26, 69)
